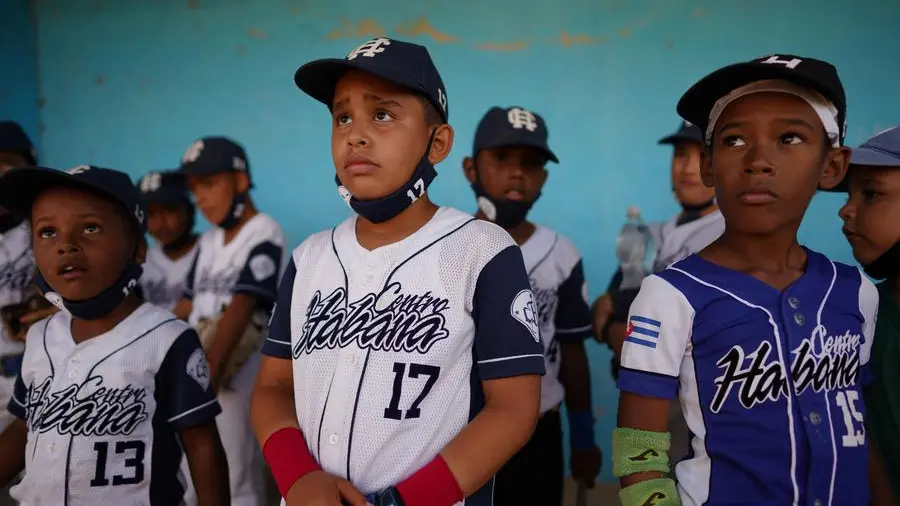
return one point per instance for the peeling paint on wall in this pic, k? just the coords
(423, 27)
(502, 46)
(364, 28)
(256, 33)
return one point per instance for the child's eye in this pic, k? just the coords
(91, 229)
(733, 141)
(383, 116)
(46, 233)
(342, 119)
(870, 194)
(791, 138)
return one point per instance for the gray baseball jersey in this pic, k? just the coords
(103, 415)
(164, 280)
(390, 346)
(675, 241)
(16, 274)
(556, 275)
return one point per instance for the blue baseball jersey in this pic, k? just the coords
(390, 347)
(769, 381)
(103, 415)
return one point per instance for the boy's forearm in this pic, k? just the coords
(487, 443)
(271, 409)
(229, 331)
(208, 465)
(575, 376)
(12, 448)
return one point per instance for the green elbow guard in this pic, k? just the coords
(658, 492)
(639, 451)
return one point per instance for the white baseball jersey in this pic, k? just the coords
(675, 240)
(164, 280)
(770, 382)
(103, 415)
(390, 346)
(556, 275)
(16, 274)
(250, 263)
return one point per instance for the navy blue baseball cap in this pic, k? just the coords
(687, 132)
(698, 102)
(20, 187)
(13, 138)
(883, 150)
(402, 63)
(164, 187)
(512, 126)
(214, 155)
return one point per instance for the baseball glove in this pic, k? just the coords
(250, 342)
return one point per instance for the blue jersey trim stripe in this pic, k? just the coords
(634, 340)
(649, 321)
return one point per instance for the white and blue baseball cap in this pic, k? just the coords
(883, 150)
(402, 63)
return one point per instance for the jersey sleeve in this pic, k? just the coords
(18, 403)
(868, 307)
(507, 335)
(259, 277)
(660, 323)
(184, 393)
(191, 274)
(278, 339)
(574, 320)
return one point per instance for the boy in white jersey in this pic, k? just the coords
(170, 221)
(17, 296)
(507, 172)
(403, 359)
(233, 282)
(112, 391)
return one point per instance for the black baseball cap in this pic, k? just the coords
(20, 187)
(14, 139)
(697, 103)
(687, 132)
(166, 187)
(402, 63)
(214, 155)
(512, 126)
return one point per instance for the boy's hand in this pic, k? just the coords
(32, 317)
(586, 465)
(322, 489)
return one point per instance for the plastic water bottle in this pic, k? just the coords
(635, 250)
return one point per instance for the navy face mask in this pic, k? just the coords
(886, 266)
(234, 212)
(100, 305)
(384, 208)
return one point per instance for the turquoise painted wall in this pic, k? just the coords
(19, 82)
(130, 83)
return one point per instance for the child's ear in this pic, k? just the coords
(706, 172)
(468, 165)
(140, 252)
(441, 145)
(242, 181)
(835, 169)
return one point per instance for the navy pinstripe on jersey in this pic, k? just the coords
(769, 381)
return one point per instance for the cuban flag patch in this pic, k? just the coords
(643, 331)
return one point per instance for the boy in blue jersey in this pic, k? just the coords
(872, 228)
(765, 343)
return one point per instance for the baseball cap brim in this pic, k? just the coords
(678, 138)
(869, 157)
(698, 101)
(507, 141)
(20, 187)
(319, 78)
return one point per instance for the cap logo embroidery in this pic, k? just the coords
(239, 163)
(370, 49)
(138, 214)
(193, 152)
(151, 182)
(791, 64)
(78, 170)
(520, 118)
(442, 99)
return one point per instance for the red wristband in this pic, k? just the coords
(288, 458)
(433, 485)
